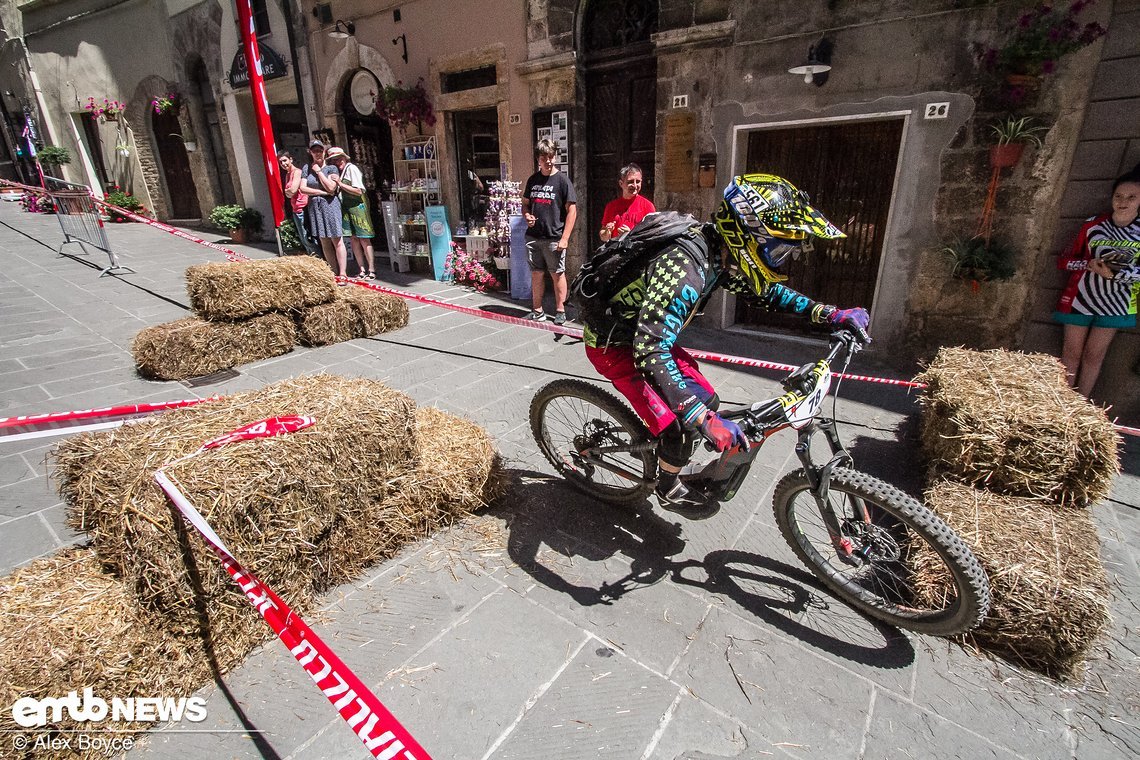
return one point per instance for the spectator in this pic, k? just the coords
(295, 201)
(1100, 297)
(355, 219)
(550, 207)
(321, 182)
(622, 214)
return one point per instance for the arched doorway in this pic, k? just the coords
(621, 98)
(369, 142)
(180, 190)
(213, 145)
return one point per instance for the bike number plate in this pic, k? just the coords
(804, 411)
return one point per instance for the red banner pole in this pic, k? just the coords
(261, 110)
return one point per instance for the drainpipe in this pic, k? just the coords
(287, 10)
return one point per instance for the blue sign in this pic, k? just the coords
(439, 235)
(520, 265)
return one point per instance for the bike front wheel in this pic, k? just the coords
(586, 433)
(872, 565)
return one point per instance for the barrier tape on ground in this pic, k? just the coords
(26, 425)
(376, 727)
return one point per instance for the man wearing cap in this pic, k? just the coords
(356, 222)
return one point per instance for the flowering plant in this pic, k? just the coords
(1043, 34)
(164, 103)
(37, 204)
(109, 109)
(461, 268)
(117, 196)
(404, 105)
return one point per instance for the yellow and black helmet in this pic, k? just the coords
(762, 219)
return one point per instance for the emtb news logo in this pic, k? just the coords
(37, 713)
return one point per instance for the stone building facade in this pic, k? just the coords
(726, 63)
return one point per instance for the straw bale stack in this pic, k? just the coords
(236, 290)
(1049, 589)
(66, 625)
(275, 502)
(378, 312)
(356, 313)
(1009, 422)
(190, 347)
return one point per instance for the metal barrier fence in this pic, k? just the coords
(79, 218)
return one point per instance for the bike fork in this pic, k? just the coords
(819, 478)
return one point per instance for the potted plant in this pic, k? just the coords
(1012, 134)
(403, 106)
(165, 103)
(108, 110)
(53, 155)
(979, 260)
(240, 222)
(1042, 35)
(117, 196)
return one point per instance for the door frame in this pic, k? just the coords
(739, 149)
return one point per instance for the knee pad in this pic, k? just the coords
(676, 445)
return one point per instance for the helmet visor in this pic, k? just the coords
(775, 251)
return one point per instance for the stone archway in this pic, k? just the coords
(354, 56)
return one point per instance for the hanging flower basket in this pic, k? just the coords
(167, 103)
(108, 110)
(1006, 156)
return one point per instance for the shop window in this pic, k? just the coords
(477, 153)
(260, 18)
(470, 79)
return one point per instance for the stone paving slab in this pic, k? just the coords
(555, 626)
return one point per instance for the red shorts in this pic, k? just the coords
(615, 363)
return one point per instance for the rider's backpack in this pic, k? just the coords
(616, 263)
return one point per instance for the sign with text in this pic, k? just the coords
(272, 66)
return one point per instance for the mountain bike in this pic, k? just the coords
(861, 536)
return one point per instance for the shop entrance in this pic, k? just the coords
(477, 160)
(180, 190)
(369, 145)
(621, 100)
(849, 172)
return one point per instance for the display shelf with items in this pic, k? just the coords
(415, 188)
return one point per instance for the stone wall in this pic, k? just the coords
(890, 59)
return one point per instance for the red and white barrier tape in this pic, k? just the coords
(40, 425)
(376, 727)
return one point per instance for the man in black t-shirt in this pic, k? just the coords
(551, 207)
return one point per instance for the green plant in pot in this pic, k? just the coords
(1012, 135)
(240, 222)
(978, 260)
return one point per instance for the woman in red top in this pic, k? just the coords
(622, 214)
(295, 201)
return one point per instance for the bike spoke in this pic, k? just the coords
(572, 424)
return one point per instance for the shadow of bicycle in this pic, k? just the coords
(547, 520)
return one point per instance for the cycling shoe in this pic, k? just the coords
(686, 502)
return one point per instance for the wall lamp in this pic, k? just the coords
(818, 64)
(343, 30)
(402, 38)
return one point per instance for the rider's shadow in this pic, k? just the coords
(551, 525)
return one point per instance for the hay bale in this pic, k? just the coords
(1007, 421)
(378, 312)
(191, 346)
(456, 473)
(275, 502)
(1048, 585)
(236, 290)
(66, 625)
(356, 313)
(328, 323)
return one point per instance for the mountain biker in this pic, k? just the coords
(762, 219)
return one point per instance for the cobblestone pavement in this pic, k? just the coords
(554, 626)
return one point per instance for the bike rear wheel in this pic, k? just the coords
(568, 417)
(900, 531)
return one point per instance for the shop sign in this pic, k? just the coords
(272, 66)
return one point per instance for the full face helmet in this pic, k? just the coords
(762, 220)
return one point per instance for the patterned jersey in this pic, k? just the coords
(652, 310)
(1089, 293)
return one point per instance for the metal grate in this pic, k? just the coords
(214, 377)
(848, 170)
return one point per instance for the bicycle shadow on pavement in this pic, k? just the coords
(545, 514)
